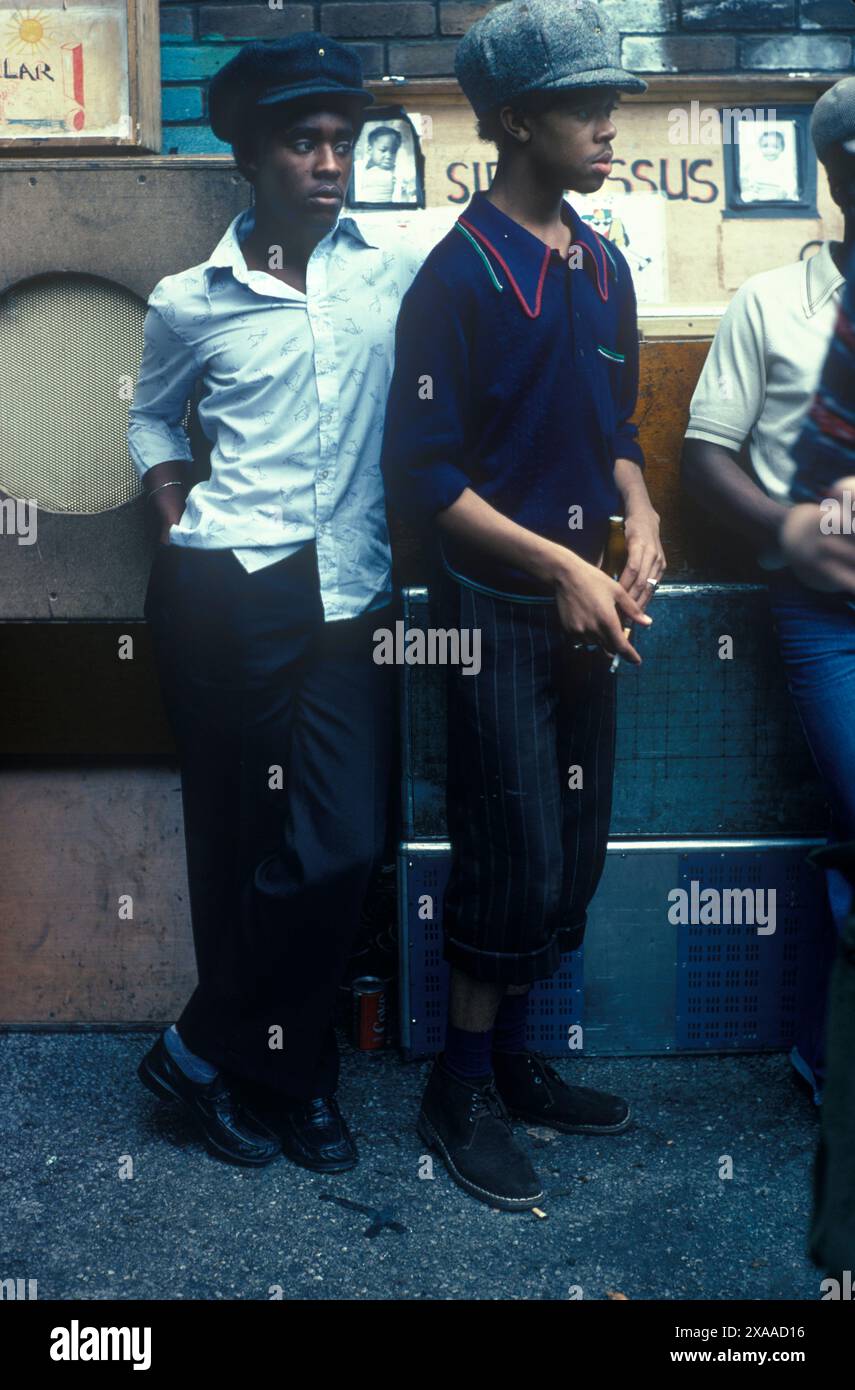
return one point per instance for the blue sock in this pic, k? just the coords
(509, 1028)
(467, 1054)
(195, 1067)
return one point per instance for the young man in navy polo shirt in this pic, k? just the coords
(509, 437)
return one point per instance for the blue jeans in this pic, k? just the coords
(816, 636)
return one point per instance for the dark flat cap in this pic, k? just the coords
(267, 73)
(540, 45)
(832, 121)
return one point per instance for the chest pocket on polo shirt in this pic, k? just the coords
(610, 355)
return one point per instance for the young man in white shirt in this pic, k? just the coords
(756, 386)
(271, 578)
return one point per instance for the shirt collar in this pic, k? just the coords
(524, 257)
(228, 252)
(822, 279)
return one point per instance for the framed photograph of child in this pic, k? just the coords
(388, 165)
(770, 168)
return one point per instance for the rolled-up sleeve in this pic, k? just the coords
(165, 383)
(728, 399)
(425, 432)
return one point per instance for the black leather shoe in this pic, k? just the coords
(229, 1131)
(533, 1091)
(314, 1133)
(468, 1126)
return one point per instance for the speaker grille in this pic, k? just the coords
(70, 349)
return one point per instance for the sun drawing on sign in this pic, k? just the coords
(29, 30)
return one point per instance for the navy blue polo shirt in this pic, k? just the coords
(516, 375)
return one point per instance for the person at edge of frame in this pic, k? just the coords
(818, 540)
(508, 423)
(755, 387)
(269, 581)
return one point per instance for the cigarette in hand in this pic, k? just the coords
(616, 658)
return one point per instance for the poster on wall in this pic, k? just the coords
(77, 71)
(636, 224)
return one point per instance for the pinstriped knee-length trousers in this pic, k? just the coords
(530, 768)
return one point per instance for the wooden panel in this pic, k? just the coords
(147, 112)
(129, 220)
(696, 547)
(668, 375)
(739, 258)
(74, 841)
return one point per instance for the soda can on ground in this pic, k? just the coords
(369, 1013)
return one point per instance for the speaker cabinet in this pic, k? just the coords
(90, 799)
(84, 243)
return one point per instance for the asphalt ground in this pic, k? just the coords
(108, 1192)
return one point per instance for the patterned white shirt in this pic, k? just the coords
(295, 394)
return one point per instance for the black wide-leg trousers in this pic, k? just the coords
(284, 725)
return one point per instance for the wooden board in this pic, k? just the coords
(74, 841)
(696, 547)
(129, 220)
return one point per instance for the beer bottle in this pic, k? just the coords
(614, 558)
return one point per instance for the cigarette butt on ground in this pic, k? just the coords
(537, 1212)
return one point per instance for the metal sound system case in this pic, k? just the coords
(639, 985)
(713, 783)
(705, 747)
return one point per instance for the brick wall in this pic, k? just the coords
(417, 38)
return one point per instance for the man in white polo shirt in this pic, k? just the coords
(756, 386)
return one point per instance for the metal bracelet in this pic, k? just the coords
(174, 482)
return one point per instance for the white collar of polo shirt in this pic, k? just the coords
(821, 280)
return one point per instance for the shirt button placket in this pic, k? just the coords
(328, 422)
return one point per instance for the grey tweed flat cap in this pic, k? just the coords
(539, 45)
(832, 120)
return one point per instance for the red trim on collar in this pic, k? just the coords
(602, 289)
(532, 314)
